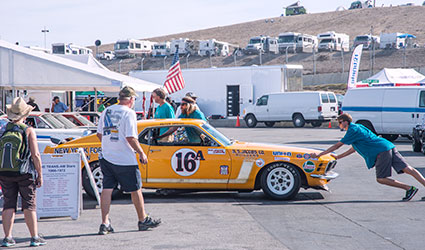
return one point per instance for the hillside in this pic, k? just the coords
(406, 19)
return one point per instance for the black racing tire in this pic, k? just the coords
(316, 124)
(280, 181)
(298, 120)
(417, 146)
(270, 124)
(390, 137)
(250, 121)
(98, 178)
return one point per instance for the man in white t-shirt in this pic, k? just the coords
(117, 131)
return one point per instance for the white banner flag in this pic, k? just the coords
(354, 66)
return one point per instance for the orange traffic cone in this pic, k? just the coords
(238, 123)
(330, 125)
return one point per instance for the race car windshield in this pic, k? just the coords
(53, 121)
(217, 135)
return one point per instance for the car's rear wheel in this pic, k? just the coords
(250, 121)
(316, 124)
(98, 179)
(298, 121)
(281, 181)
(269, 124)
(390, 137)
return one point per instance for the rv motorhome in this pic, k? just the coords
(214, 48)
(368, 41)
(265, 44)
(70, 49)
(161, 49)
(331, 41)
(298, 42)
(132, 48)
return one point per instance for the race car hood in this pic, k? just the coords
(271, 147)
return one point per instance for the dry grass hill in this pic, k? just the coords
(406, 19)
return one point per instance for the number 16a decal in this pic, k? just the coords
(185, 162)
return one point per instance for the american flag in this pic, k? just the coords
(174, 81)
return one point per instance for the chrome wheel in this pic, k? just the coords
(280, 181)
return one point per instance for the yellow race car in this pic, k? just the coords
(198, 157)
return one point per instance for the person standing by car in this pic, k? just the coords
(377, 152)
(32, 103)
(163, 111)
(117, 132)
(15, 178)
(191, 95)
(58, 106)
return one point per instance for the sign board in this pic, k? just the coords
(61, 193)
(371, 81)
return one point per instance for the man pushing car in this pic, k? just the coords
(377, 152)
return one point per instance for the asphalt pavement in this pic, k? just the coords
(357, 213)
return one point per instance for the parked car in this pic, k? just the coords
(78, 119)
(387, 111)
(313, 107)
(208, 160)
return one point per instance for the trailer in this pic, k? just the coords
(332, 41)
(297, 42)
(185, 45)
(131, 48)
(227, 91)
(393, 40)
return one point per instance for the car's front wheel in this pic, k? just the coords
(281, 181)
(250, 121)
(98, 179)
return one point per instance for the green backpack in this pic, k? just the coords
(14, 150)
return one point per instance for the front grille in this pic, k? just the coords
(331, 165)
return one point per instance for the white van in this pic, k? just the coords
(312, 107)
(387, 111)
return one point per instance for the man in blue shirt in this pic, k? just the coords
(58, 106)
(377, 152)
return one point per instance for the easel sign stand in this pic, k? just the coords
(89, 174)
(61, 193)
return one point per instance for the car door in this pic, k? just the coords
(398, 111)
(262, 108)
(188, 159)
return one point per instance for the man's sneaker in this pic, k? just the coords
(105, 229)
(410, 193)
(423, 198)
(147, 223)
(37, 241)
(8, 242)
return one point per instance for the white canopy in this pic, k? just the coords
(23, 68)
(393, 77)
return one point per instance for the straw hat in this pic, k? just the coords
(18, 109)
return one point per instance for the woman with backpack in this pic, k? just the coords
(20, 171)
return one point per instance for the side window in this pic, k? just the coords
(178, 136)
(324, 98)
(138, 46)
(332, 98)
(262, 101)
(422, 99)
(40, 123)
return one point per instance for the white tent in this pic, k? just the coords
(26, 69)
(393, 77)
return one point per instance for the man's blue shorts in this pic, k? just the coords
(127, 176)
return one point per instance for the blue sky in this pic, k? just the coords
(83, 21)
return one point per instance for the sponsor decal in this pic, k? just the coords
(88, 151)
(279, 153)
(216, 151)
(185, 161)
(299, 156)
(309, 166)
(224, 170)
(247, 153)
(307, 156)
(282, 158)
(259, 162)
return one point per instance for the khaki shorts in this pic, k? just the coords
(388, 159)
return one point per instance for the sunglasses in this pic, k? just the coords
(184, 104)
(340, 122)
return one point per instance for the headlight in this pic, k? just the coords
(86, 132)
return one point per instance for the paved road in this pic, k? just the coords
(357, 214)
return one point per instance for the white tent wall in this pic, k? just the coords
(25, 69)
